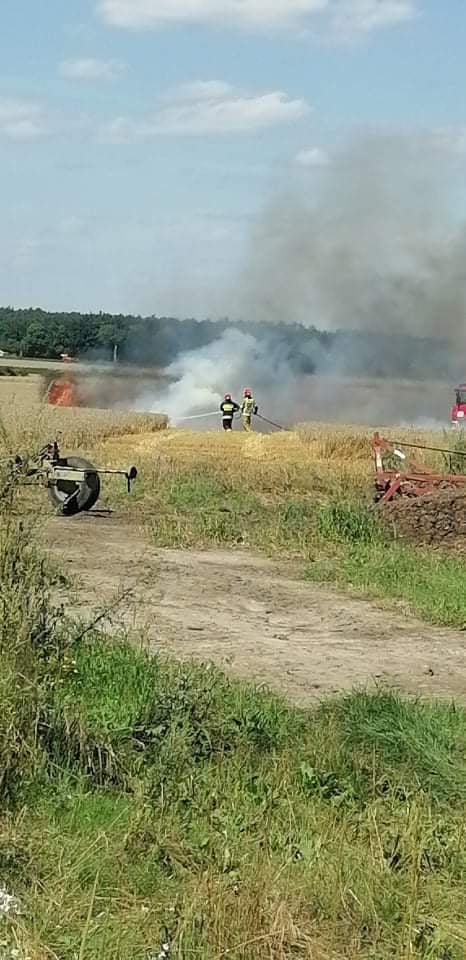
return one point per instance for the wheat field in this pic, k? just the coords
(27, 422)
(317, 457)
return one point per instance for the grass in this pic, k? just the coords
(147, 802)
(143, 801)
(173, 806)
(427, 582)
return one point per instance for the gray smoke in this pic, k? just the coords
(200, 378)
(376, 246)
(373, 247)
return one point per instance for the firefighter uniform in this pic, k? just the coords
(228, 409)
(248, 407)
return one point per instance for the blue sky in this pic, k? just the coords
(140, 139)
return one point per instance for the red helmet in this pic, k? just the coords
(227, 396)
(247, 392)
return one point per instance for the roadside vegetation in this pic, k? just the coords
(153, 809)
(302, 496)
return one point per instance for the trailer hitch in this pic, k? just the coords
(130, 475)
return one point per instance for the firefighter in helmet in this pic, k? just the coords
(228, 409)
(248, 408)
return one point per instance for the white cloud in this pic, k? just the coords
(21, 119)
(314, 157)
(350, 18)
(154, 14)
(343, 17)
(90, 69)
(205, 108)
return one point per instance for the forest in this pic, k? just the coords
(157, 341)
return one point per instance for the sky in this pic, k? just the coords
(141, 140)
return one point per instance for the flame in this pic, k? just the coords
(63, 393)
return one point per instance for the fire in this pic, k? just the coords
(63, 393)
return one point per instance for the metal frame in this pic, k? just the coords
(46, 470)
(416, 481)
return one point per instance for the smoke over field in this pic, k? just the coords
(351, 303)
(374, 253)
(377, 246)
(199, 378)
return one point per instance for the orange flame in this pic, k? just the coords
(63, 393)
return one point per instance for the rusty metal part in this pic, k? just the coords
(414, 481)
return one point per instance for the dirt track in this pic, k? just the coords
(253, 617)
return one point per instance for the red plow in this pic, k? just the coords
(413, 479)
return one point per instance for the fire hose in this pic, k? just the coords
(421, 446)
(214, 413)
(197, 416)
(271, 422)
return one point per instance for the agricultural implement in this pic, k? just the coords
(415, 479)
(73, 483)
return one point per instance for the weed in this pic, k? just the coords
(349, 522)
(455, 462)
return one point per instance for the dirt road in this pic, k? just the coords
(253, 617)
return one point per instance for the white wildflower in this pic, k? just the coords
(8, 904)
(163, 954)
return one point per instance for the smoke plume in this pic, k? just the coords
(201, 377)
(374, 253)
(377, 246)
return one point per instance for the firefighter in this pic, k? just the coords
(248, 408)
(228, 409)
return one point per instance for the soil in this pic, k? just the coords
(254, 618)
(437, 519)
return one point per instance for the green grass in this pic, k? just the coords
(231, 824)
(198, 507)
(428, 583)
(144, 801)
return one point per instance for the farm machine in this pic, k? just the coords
(398, 475)
(73, 483)
(458, 410)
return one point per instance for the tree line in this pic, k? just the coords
(157, 341)
(150, 341)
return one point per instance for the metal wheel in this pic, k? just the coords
(73, 496)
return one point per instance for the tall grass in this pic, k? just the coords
(28, 422)
(145, 802)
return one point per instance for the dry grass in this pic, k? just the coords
(28, 422)
(313, 463)
(337, 453)
(312, 458)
